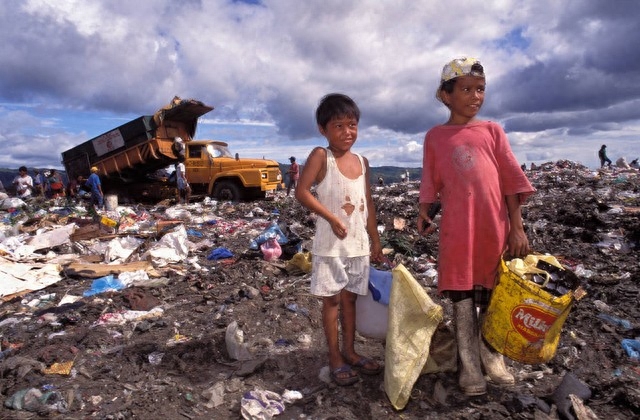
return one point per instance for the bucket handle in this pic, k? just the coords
(531, 270)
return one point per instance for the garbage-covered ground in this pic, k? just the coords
(190, 297)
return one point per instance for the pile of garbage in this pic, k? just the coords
(203, 310)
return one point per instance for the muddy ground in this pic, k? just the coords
(176, 365)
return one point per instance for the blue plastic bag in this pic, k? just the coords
(220, 254)
(193, 232)
(104, 284)
(272, 231)
(380, 285)
(632, 347)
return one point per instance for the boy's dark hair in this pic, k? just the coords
(22, 168)
(335, 105)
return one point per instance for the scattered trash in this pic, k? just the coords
(219, 254)
(172, 315)
(570, 385)
(632, 347)
(261, 405)
(32, 399)
(236, 347)
(59, 368)
(273, 231)
(271, 249)
(613, 320)
(104, 284)
(155, 358)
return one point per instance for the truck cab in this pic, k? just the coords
(214, 171)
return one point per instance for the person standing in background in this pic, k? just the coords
(602, 154)
(93, 182)
(184, 189)
(38, 182)
(23, 183)
(56, 186)
(294, 173)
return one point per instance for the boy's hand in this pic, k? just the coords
(376, 252)
(517, 244)
(425, 225)
(338, 228)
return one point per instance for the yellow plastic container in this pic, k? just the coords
(108, 222)
(523, 321)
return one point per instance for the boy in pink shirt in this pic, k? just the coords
(468, 165)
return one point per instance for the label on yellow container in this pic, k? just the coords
(524, 322)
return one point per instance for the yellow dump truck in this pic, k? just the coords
(133, 159)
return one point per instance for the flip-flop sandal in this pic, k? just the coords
(361, 366)
(344, 380)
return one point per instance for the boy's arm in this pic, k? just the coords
(517, 242)
(314, 171)
(372, 222)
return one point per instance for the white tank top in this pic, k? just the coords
(345, 198)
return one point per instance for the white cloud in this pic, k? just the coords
(554, 69)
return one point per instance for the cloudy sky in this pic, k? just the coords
(563, 77)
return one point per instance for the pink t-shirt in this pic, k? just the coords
(471, 169)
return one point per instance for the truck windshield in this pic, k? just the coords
(216, 151)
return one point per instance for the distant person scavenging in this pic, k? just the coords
(602, 154)
(97, 196)
(23, 183)
(294, 173)
(184, 189)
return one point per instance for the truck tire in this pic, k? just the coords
(227, 191)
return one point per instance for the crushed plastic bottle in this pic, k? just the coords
(623, 323)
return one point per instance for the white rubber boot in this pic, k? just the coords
(470, 377)
(493, 363)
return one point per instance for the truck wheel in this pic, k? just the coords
(227, 191)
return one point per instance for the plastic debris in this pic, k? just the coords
(271, 249)
(570, 385)
(261, 405)
(623, 323)
(270, 232)
(219, 254)
(632, 347)
(32, 399)
(104, 284)
(236, 347)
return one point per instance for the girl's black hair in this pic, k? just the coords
(335, 105)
